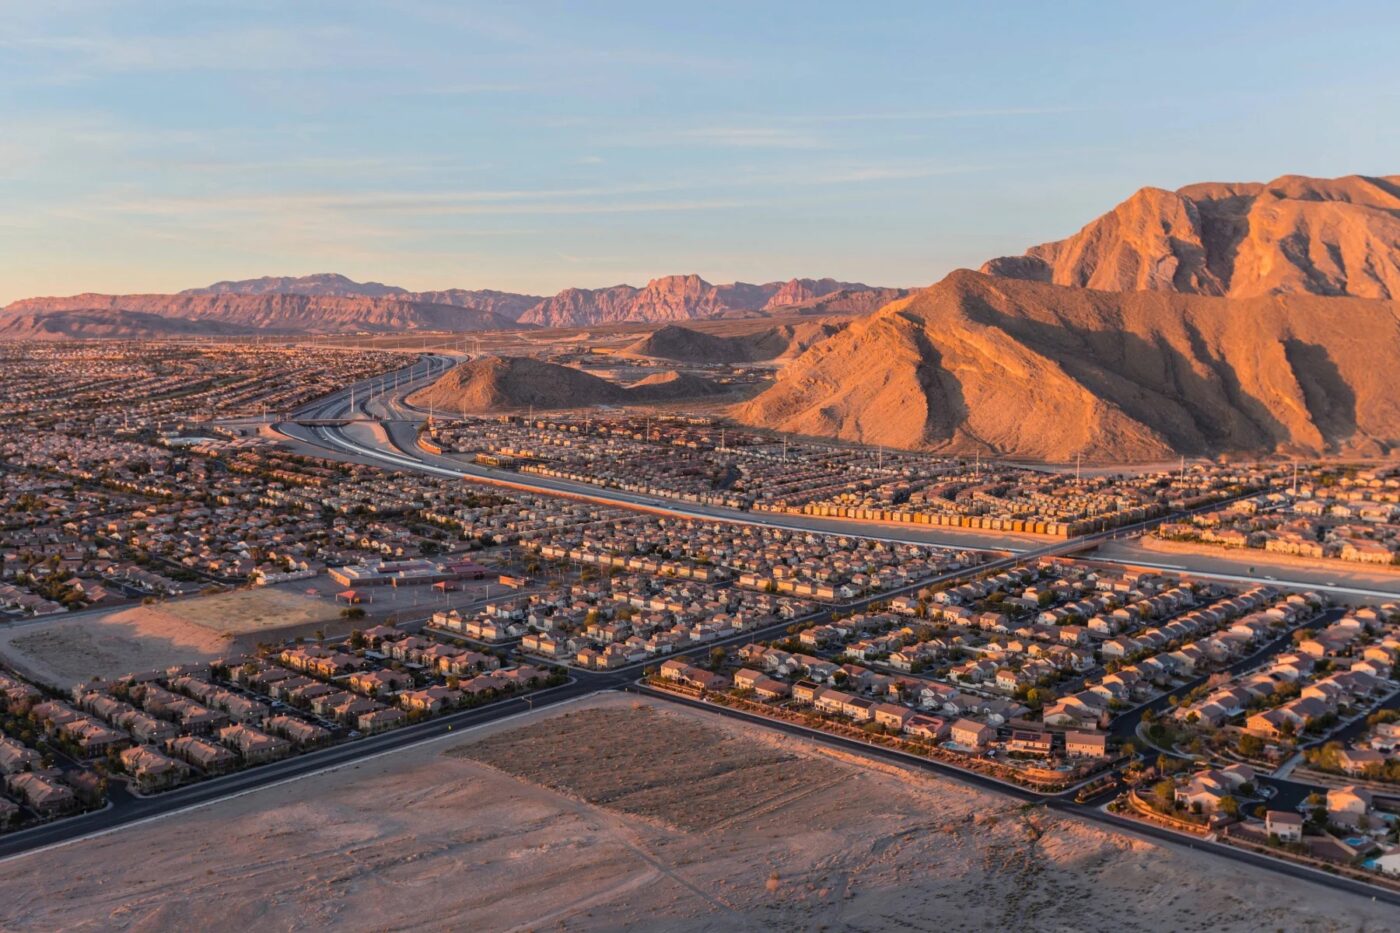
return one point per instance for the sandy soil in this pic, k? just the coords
(643, 818)
(252, 611)
(63, 651)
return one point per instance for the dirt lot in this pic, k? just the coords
(62, 651)
(254, 612)
(616, 817)
(107, 644)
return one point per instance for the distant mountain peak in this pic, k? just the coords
(1322, 236)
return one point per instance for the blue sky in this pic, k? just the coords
(529, 146)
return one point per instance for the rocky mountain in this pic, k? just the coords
(995, 365)
(332, 303)
(674, 342)
(330, 284)
(1321, 236)
(496, 383)
(281, 313)
(800, 291)
(108, 325)
(675, 298)
(323, 284)
(849, 301)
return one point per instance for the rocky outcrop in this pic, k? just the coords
(999, 366)
(1337, 236)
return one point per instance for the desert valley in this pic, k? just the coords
(750, 467)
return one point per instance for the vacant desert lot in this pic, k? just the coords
(615, 816)
(63, 651)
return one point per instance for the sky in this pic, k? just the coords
(530, 146)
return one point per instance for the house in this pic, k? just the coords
(1355, 761)
(299, 731)
(1284, 825)
(151, 769)
(253, 744)
(1206, 789)
(1086, 744)
(202, 753)
(763, 686)
(892, 715)
(1348, 805)
(1082, 710)
(972, 734)
(15, 757)
(380, 719)
(430, 699)
(933, 728)
(41, 793)
(1029, 741)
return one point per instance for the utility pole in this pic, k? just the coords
(1295, 477)
(1078, 459)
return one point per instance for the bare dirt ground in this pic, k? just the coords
(615, 816)
(110, 643)
(61, 652)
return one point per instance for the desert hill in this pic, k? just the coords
(108, 325)
(676, 298)
(280, 312)
(672, 386)
(1024, 369)
(495, 383)
(1338, 236)
(674, 342)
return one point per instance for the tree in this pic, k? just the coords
(1164, 794)
(717, 656)
(1230, 806)
(1250, 746)
(352, 612)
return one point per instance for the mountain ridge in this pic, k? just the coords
(1000, 366)
(1295, 234)
(293, 303)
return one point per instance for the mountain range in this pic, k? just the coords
(1320, 236)
(330, 303)
(1023, 369)
(1218, 318)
